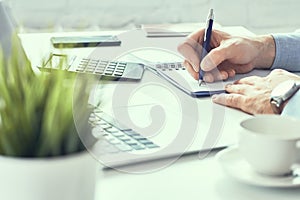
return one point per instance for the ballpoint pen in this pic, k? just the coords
(206, 41)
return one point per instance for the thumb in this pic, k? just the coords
(214, 58)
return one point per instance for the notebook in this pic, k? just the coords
(176, 74)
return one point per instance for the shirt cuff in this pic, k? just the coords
(287, 47)
(292, 108)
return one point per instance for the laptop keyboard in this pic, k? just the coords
(115, 137)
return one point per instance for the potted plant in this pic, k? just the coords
(42, 155)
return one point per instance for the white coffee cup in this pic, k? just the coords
(270, 143)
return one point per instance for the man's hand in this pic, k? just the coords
(229, 55)
(252, 94)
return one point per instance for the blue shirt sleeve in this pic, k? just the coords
(287, 51)
(288, 57)
(292, 108)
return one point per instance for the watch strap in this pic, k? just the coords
(278, 102)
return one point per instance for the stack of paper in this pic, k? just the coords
(173, 30)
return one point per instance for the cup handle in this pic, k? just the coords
(298, 147)
(296, 166)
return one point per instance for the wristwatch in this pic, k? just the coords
(281, 93)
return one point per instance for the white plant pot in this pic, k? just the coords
(60, 178)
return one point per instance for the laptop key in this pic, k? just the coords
(137, 147)
(138, 137)
(112, 121)
(105, 126)
(79, 69)
(100, 145)
(99, 122)
(151, 146)
(99, 71)
(108, 73)
(89, 70)
(124, 147)
(131, 142)
(124, 137)
(98, 132)
(114, 141)
(132, 133)
(109, 137)
(111, 149)
(117, 134)
(145, 141)
(112, 130)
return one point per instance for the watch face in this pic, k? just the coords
(283, 89)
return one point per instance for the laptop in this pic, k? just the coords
(121, 145)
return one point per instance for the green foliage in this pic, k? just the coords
(36, 110)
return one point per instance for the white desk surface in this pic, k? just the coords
(187, 178)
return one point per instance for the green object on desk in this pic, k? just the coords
(36, 110)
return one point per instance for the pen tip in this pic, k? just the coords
(200, 82)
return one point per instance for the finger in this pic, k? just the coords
(191, 70)
(244, 68)
(233, 69)
(214, 58)
(217, 37)
(215, 75)
(228, 67)
(190, 50)
(190, 42)
(230, 100)
(208, 77)
(250, 80)
(231, 73)
(238, 88)
(197, 35)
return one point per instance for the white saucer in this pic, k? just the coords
(236, 167)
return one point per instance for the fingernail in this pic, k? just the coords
(208, 78)
(228, 85)
(206, 65)
(214, 97)
(196, 68)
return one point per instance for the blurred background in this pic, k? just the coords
(259, 16)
